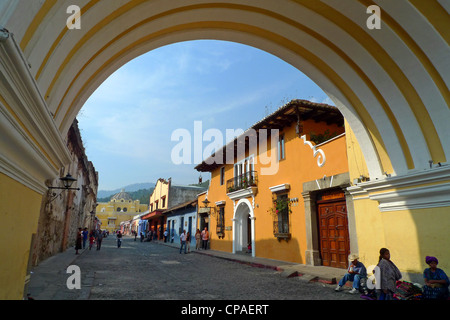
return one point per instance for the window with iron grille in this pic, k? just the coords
(281, 216)
(222, 176)
(220, 228)
(281, 148)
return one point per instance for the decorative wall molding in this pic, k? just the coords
(416, 190)
(32, 148)
(242, 193)
(321, 159)
(280, 187)
(16, 173)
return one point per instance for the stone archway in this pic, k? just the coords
(391, 84)
(242, 231)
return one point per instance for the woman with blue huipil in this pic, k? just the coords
(436, 281)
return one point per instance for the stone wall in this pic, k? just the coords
(64, 211)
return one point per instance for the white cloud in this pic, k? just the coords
(327, 100)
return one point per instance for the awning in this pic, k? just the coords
(152, 215)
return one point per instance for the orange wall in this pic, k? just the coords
(298, 167)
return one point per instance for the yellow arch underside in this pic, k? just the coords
(329, 13)
(333, 76)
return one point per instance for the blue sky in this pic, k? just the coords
(127, 123)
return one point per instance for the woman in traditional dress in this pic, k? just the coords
(78, 241)
(389, 275)
(198, 240)
(436, 281)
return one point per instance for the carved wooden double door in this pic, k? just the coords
(333, 233)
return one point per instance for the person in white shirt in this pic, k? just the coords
(183, 241)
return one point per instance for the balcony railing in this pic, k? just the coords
(243, 181)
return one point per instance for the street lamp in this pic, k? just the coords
(215, 213)
(68, 180)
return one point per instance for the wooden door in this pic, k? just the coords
(333, 231)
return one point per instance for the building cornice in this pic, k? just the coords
(416, 190)
(32, 148)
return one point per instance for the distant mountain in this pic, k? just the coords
(129, 188)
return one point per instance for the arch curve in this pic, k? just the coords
(390, 84)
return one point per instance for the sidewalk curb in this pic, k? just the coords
(252, 264)
(289, 272)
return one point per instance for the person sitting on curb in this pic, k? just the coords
(356, 272)
(436, 281)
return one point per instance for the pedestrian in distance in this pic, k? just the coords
(188, 242)
(205, 238)
(142, 236)
(91, 240)
(356, 273)
(166, 233)
(99, 239)
(389, 275)
(198, 239)
(183, 241)
(78, 241)
(249, 248)
(119, 239)
(436, 281)
(85, 237)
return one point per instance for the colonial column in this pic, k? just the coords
(252, 219)
(234, 235)
(312, 238)
(351, 219)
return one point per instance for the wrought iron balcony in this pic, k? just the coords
(243, 181)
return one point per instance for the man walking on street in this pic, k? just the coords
(85, 237)
(183, 241)
(99, 239)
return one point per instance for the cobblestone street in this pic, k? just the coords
(154, 271)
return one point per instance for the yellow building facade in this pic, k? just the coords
(159, 201)
(403, 214)
(272, 212)
(120, 208)
(165, 196)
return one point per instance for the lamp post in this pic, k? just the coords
(213, 212)
(67, 181)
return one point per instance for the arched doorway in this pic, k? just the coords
(243, 227)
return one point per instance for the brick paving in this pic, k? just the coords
(156, 271)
